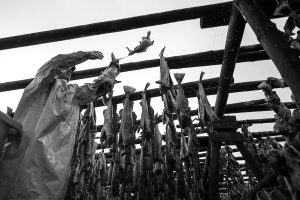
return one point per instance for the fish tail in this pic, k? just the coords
(201, 76)
(179, 77)
(146, 87)
(128, 89)
(161, 54)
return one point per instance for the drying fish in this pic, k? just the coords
(157, 155)
(110, 171)
(127, 119)
(135, 174)
(165, 79)
(115, 176)
(180, 184)
(206, 115)
(166, 85)
(182, 104)
(143, 46)
(183, 148)
(147, 115)
(142, 177)
(106, 81)
(283, 9)
(111, 119)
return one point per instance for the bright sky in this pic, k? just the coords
(22, 17)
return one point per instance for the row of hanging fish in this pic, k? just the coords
(171, 171)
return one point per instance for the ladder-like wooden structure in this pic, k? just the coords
(236, 14)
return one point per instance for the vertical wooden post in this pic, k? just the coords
(284, 57)
(233, 41)
(213, 193)
(232, 46)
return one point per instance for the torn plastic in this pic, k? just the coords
(37, 166)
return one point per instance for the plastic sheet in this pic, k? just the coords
(37, 166)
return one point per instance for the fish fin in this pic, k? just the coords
(116, 81)
(179, 77)
(113, 57)
(128, 89)
(158, 82)
(148, 34)
(161, 54)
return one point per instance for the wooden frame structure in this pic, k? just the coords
(257, 15)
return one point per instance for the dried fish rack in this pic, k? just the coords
(227, 13)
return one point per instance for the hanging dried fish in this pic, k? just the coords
(205, 112)
(183, 148)
(142, 177)
(115, 176)
(111, 119)
(157, 155)
(147, 115)
(105, 82)
(127, 119)
(180, 183)
(143, 46)
(83, 157)
(166, 85)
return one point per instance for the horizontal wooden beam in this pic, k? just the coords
(109, 26)
(247, 54)
(222, 17)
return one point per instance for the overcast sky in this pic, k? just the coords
(19, 17)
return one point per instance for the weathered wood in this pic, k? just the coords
(109, 26)
(247, 53)
(256, 121)
(284, 57)
(248, 121)
(233, 42)
(252, 163)
(227, 136)
(214, 166)
(226, 123)
(222, 17)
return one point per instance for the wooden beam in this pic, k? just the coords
(109, 26)
(222, 17)
(257, 121)
(233, 42)
(284, 57)
(214, 166)
(207, 58)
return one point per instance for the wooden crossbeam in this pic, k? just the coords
(109, 26)
(247, 54)
(222, 17)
